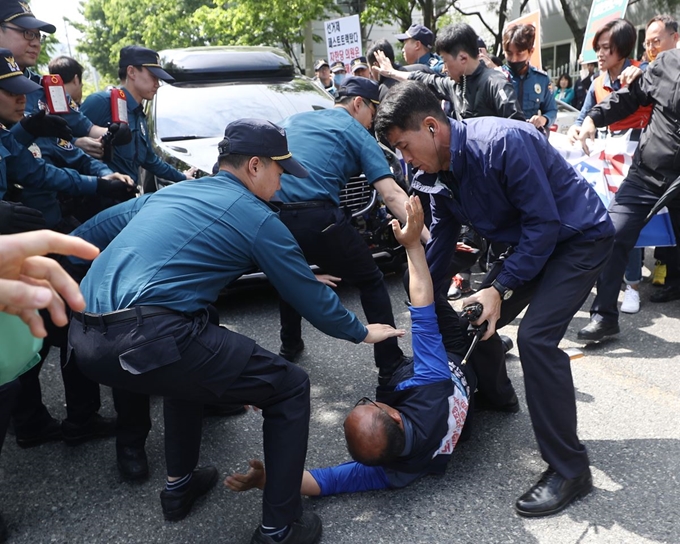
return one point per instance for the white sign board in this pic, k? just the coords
(343, 40)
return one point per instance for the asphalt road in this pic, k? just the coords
(628, 392)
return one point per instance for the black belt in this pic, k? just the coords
(303, 205)
(129, 314)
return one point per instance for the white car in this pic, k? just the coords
(566, 116)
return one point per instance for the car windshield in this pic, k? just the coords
(203, 110)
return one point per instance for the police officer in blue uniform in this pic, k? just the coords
(512, 186)
(146, 327)
(20, 32)
(418, 41)
(532, 86)
(334, 145)
(140, 74)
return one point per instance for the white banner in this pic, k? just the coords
(343, 40)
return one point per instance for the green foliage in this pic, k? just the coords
(46, 52)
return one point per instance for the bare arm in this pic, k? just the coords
(420, 282)
(395, 198)
(257, 477)
(385, 68)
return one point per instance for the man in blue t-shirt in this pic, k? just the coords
(414, 424)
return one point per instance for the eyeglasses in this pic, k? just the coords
(363, 401)
(371, 107)
(29, 35)
(656, 42)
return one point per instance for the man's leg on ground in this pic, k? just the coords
(132, 428)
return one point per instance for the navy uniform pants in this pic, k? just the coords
(191, 362)
(632, 202)
(328, 240)
(552, 299)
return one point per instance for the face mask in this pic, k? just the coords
(516, 67)
(339, 78)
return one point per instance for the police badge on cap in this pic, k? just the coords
(12, 79)
(19, 13)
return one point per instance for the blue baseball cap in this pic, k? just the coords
(19, 13)
(418, 32)
(136, 55)
(12, 78)
(259, 138)
(360, 86)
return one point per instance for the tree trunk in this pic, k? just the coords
(577, 31)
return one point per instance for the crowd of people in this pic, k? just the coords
(130, 306)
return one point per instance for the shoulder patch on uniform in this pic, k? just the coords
(72, 104)
(35, 150)
(64, 144)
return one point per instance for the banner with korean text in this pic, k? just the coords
(343, 40)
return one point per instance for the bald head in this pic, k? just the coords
(374, 434)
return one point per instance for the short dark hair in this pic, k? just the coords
(66, 67)
(453, 39)
(122, 71)
(670, 24)
(622, 39)
(405, 106)
(395, 440)
(380, 45)
(522, 37)
(236, 161)
(564, 76)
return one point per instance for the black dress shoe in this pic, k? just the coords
(132, 464)
(481, 403)
(597, 329)
(223, 410)
(96, 427)
(177, 504)
(290, 353)
(553, 493)
(666, 294)
(50, 432)
(306, 530)
(507, 342)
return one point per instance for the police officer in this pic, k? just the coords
(532, 86)
(140, 74)
(418, 41)
(334, 145)
(359, 67)
(71, 73)
(146, 326)
(322, 76)
(512, 186)
(20, 32)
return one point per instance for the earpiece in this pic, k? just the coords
(431, 129)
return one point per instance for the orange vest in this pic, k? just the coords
(639, 119)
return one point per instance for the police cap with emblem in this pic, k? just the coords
(337, 67)
(360, 86)
(359, 62)
(320, 64)
(136, 55)
(19, 13)
(12, 79)
(259, 138)
(418, 32)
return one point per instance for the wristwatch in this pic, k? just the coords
(503, 291)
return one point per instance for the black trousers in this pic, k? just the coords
(8, 398)
(631, 204)
(191, 362)
(329, 241)
(553, 297)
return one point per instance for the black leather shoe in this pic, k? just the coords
(666, 294)
(553, 493)
(50, 432)
(597, 329)
(306, 530)
(291, 353)
(223, 410)
(507, 342)
(132, 464)
(482, 404)
(95, 427)
(177, 504)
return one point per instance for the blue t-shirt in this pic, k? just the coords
(333, 147)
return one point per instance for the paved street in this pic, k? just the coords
(628, 392)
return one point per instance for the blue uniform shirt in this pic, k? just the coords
(432, 61)
(511, 186)
(179, 247)
(333, 147)
(18, 165)
(128, 158)
(533, 93)
(80, 125)
(432, 425)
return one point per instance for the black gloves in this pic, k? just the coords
(120, 134)
(16, 218)
(40, 124)
(116, 189)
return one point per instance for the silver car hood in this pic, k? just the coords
(201, 153)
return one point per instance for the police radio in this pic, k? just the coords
(55, 94)
(119, 112)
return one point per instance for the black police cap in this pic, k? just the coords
(12, 79)
(259, 138)
(360, 86)
(19, 13)
(136, 55)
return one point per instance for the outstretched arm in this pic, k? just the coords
(420, 282)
